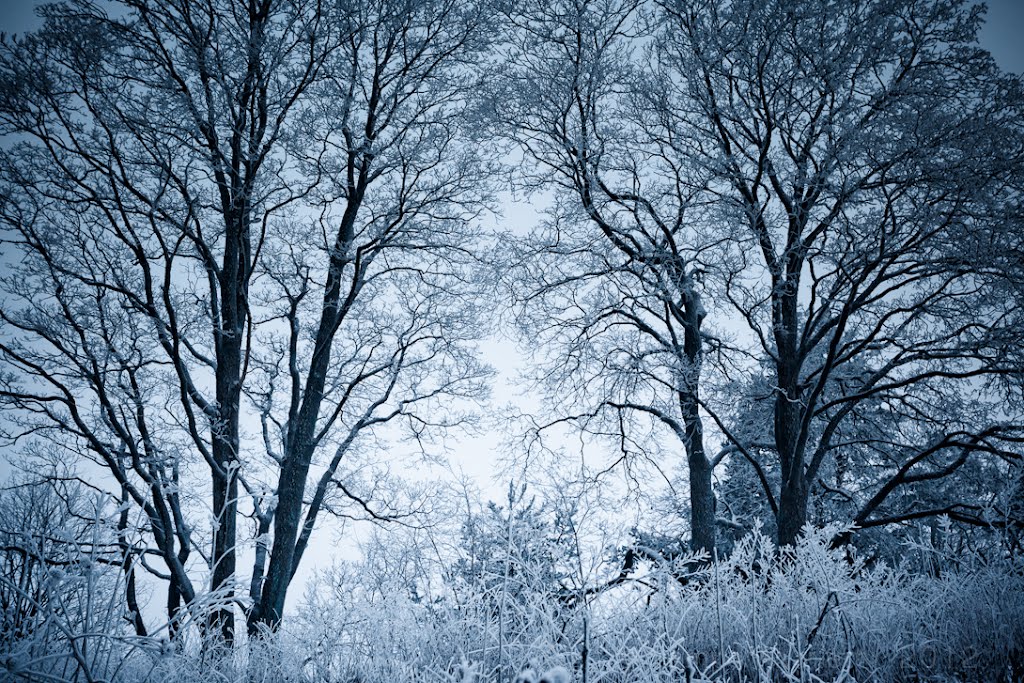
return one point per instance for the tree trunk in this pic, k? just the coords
(300, 444)
(291, 489)
(225, 506)
(788, 414)
(128, 567)
(229, 336)
(702, 496)
(792, 511)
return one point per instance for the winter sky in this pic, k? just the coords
(1002, 35)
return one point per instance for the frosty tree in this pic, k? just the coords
(244, 277)
(612, 286)
(239, 237)
(826, 183)
(863, 157)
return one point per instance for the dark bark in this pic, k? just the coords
(301, 444)
(792, 512)
(224, 475)
(173, 608)
(790, 404)
(702, 496)
(128, 567)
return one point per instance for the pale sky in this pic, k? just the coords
(1002, 35)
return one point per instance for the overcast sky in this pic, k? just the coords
(1002, 35)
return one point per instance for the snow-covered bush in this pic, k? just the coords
(808, 613)
(501, 600)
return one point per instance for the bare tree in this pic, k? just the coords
(611, 288)
(231, 215)
(149, 161)
(861, 155)
(826, 181)
(392, 239)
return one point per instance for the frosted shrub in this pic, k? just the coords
(811, 613)
(811, 610)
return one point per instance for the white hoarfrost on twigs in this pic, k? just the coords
(556, 674)
(811, 614)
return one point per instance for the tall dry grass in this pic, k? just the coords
(809, 615)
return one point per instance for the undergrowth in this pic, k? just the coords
(809, 614)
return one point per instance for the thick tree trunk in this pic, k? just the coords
(128, 567)
(300, 444)
(789, 408)
(225, 437)
(792, 514)
(792, 511)
(702, 496)
(225, 501)
(291, 488)
(173, 607)
(225, 505)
